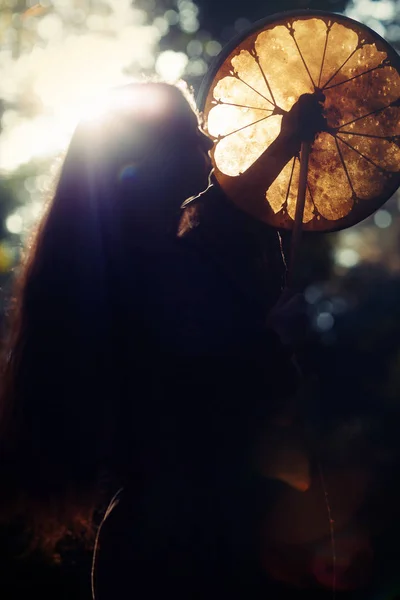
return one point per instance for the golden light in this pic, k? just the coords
(141, 99)
(60, 75)
(354, 164)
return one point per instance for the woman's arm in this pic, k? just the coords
(302, 123)
(266, 169)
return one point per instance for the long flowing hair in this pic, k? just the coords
(72, 319)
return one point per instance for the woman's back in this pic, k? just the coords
(187, 523)
(156, 365)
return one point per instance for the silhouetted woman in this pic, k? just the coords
(138, 357)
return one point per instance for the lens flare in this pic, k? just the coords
(128, 98)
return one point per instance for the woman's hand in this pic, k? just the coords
(302, 123)
(305, 119)
(289, 318)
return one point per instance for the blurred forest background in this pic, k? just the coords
(54, 56)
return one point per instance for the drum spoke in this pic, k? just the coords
(341, 67)
(362, 155)
(354, 77)
(344, 166)
(291, 31)
(328, 30)
(221, 137)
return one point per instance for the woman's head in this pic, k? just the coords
(62, 387)
(145, 149)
